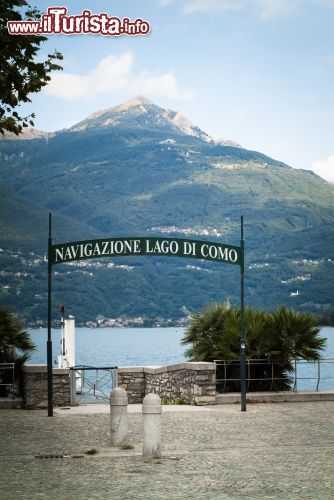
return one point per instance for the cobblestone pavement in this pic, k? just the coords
(283, 451)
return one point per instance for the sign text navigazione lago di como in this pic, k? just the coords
(122, 247)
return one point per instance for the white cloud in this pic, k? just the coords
(208, 5)
(275, 8)
(266, 9)
(325, 168)
(113, 75)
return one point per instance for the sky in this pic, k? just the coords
(259, 72)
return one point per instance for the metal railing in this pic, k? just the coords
(307, 375)
(7, 378)
(320, 371)
(90, 384)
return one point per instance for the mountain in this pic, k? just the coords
(142, 113)
(138, 169)
(22, 223)
(26, 134)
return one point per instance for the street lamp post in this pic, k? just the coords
(49, 342)
(242, 324)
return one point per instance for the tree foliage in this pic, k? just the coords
(13, 338)
(15, 343)
(20, 72)
(278, 337)
(294, 335)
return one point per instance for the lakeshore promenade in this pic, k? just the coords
(279, 451)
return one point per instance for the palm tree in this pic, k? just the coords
(205, 332)
(294, 335)
(15, 344)
(214, 334)
(274, 339)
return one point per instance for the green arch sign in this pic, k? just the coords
(61, 253)
(124, 247)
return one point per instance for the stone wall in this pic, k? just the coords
(36, 386)
(132, 379)
(189, 383)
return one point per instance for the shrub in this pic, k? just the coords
(278, 337)
(15, 346)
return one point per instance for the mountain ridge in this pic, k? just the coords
(140, 178)
(140, 109)
(113, 116)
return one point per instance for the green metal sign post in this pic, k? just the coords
(150, 246)
(49, 342)
(242, 322)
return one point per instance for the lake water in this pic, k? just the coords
(153, 347)
(117, 346)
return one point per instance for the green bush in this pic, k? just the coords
(15, 346)
(275, 339)
(180, 401)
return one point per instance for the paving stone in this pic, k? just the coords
(272, 451)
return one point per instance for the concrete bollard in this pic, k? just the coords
(152, 426)
(118, 416)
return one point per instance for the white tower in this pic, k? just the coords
(66, 359)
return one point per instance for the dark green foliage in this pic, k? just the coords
(278, 337)
(15, 344)
(21, 72)
(293, 335)
(208, 335)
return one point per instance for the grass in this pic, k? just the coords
(127, 446)
(92, 451)
(180, 401)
